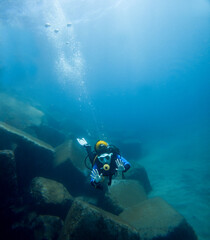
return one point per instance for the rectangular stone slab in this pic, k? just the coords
(155, 219)
(90, 223)
(126, 192)
(10, 135)
(33, 157)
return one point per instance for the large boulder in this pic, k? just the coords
(47, 134)
(85, 221)
(70, 150)
(33, 157)
(102, 200)
(50, 197)
(126, 193)
(69, 167)
(139, 173)
(156, 220)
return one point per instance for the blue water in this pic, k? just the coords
(125, 71)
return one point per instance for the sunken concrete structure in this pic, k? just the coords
(152, 219)
(50, 197)
(126, 193)
(139, 173)
(40, 184)
(85, 221)
(155, 219)
(33, 157)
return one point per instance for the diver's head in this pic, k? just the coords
(105, 158)
(101, 147)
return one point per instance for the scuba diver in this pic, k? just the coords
(106, 162)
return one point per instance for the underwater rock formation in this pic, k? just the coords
(85, 221)
(70, 150)
(139, 173)
(124, 212)
(50, 197)
(155, 219)
(69, 167)
(12, 136)
(126, 193)
(102, 200)
(47, 134)
(33, 157)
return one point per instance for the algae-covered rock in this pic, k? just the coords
(50, 197)
(85, 221)
(155, 219)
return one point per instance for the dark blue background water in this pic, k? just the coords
(134, 71)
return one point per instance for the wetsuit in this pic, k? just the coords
(99, 166)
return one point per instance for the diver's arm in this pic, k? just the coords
(84, 143)
(91, 154)
(126, 164)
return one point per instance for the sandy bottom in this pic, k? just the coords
(179, 171)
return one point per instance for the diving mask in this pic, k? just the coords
(105, 158)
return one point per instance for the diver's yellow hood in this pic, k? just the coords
(99, 143)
